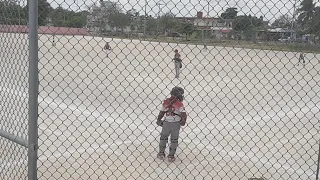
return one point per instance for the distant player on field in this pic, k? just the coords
(107, 48)
(301, 59)
(205, 48)
(175, 117)
(53, 41)
(177, 62)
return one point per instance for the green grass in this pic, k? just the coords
(274, 46)
(270, 45)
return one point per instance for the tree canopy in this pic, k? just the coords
(230, 13)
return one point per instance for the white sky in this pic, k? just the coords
(269, 9)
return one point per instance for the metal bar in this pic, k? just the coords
(158, 19)
(293, 19)
(318, 167)
(145, 19)
(33, 90)
(14, 138)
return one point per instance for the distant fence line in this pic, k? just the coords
(44, 30)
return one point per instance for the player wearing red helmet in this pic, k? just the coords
(175, 116)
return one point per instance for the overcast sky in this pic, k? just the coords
(269, 9)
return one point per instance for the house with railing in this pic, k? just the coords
(98, 22)
(210, 27)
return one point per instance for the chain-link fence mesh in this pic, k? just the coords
(14, 92)
(250, 74)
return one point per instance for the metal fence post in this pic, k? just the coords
(318, 167)
(33, 90)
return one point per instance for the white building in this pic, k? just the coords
(97, 20)
(217, 27)
(222, 28)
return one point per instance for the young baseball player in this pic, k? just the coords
(205, 48)
(301, 59)
(107, 48)
(177, 62)
(175, 117)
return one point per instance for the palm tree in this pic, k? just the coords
(306, 12)
(314, 24)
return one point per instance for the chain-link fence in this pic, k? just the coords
(14, 94)
(249, 71)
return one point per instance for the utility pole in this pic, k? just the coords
(293, 19)
(318, 166)
(208, 17)
(145, 19)
(19, 13)
(158, 21)
(205, 29)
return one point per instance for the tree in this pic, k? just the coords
(247, 23)
(65, 18)
(151, 27)
(59, 16)
(119, 20)
(167, 22)
(187, 29)
(44, 9)
(108, 14)
(284, 21)
(140, 23)
(305, 12)
(314, 23)
(78, 20)
(135, 19)
(230, 13)
(12, 13)
(241, 23)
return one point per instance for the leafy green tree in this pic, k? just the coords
(44, 9)
(247, 23)
(77, 21)
(59, 16)
(65, 18)
(187, 29)
(306, 12)
(135, 20)
(284, 21)
(109, 14)
(230, 13)
(141, 23)
(167, 22)
(12, 13)
(151, 27)
(119, 20)
(313, 25)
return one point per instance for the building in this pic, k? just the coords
(210, 27)
(97, 19)
(276, 34)
(202, 23)
(207, 27)
(222, 29)
(93, 20)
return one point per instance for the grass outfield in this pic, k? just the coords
(263, 45)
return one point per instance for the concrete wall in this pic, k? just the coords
(44, 30)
